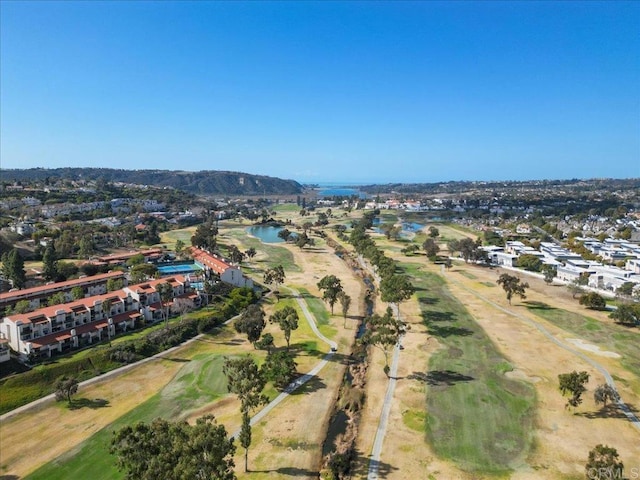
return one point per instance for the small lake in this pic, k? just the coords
(266, 233)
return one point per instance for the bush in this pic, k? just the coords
(593, 301)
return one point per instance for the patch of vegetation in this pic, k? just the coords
(316, 307)
(414, 419)
(469, 275)
(477, 417)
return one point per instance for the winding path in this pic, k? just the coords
(298, 382)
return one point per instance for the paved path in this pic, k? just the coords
(298, 382)
(623, 407)
(374, 461)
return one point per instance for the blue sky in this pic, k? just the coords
(324, 91)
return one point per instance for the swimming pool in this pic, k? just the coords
(179, 268)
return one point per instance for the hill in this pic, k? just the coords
(205, 182)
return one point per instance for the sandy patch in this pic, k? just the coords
(592, 348)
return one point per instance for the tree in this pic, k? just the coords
(245, 438)
(183, 306)
(57, 298)
(431, 248)
(65, 388)
(13, 268)
(512, 285)
(235, 255)
(396, 289)
(137, 259)
(86, 247)
(49, 264)
(287, 320)
(265, 343)
(22, 306)
(179, 248)
(303, 240)
(330, 286)
(575, 287)
(453, 246)
(250, 253)
(174, 450)
(573, 384)
(280, 368)
(274, 275)
(251, 323)
(593, 300)
(627, 314)
(284, 234)
(114, 284)
(246, 381)
(166, 295)
(605, 393)
(625, 290)
(434, 232)
(142, 271)
(604, 463)
(549, 272)
(66, 270)
(345, 303)
(529, 262)
(77, 293)
(384, 332)
(467, 249)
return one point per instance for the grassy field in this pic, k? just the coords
(171, 237)
(476, 417)
(607, 335)
(200, 381)
(319, 310)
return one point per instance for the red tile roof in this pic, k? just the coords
(214, 262)
(69, 284)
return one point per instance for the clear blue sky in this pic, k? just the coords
(322, 91)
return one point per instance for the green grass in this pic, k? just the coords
(476, 417)
(199, 382)
(470, 276)
(171, 237)
(606, 334)
(316, 307)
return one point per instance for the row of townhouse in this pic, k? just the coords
(569, 265)
(94, 285)
(60, 328)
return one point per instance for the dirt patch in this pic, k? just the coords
(518, 374)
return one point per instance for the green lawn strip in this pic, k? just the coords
(605, 334)
(199, 382)
(476, 417)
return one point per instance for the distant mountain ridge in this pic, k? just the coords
(205, 182)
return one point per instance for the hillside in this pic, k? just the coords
(206, 182)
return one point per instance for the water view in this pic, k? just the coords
(266, 233)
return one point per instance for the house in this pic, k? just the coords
(60, 328)
(94, 285)
(212, 263)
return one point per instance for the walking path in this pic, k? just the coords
(374, 461)
(298, 382)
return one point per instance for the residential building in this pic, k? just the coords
(95, 285)
(212, 263)
(60, 328)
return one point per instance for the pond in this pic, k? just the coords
(266, 233)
